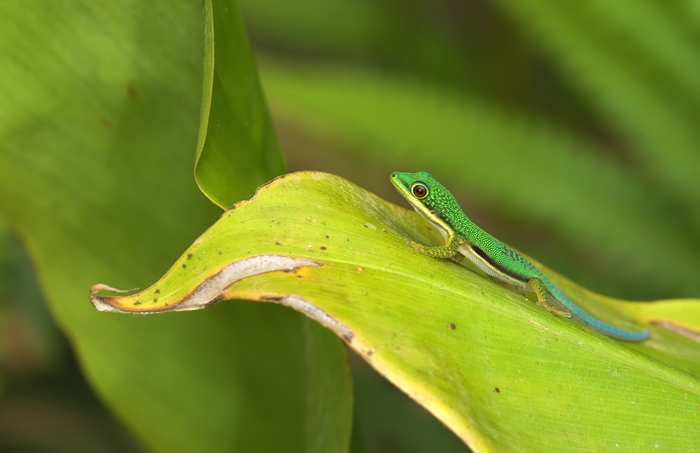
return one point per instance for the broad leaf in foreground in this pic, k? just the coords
(501, 372)
(99, 108)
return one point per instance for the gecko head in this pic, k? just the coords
(421, 190)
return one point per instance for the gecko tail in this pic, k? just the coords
(600, 326)
(606, 328)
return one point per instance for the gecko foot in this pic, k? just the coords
(552, 309)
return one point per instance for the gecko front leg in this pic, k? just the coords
(446, 251)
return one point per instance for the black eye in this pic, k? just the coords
(419, 191)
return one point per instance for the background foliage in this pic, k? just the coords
(566, 130)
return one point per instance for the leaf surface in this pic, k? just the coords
(498, 370)
(237, 149)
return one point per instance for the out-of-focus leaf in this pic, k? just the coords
(518, 164)
(500, 371)
(329, 402)
(48, 420)
(304, 23)
(5, 260)
(638, 61)
(99, 106)
(407, 35)
(390, 421)
(237, 149)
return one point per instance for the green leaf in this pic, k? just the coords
(237, 148)
(637, 60)
(507, 161)
(302, 24)
(406, 36)
(99, 107)
(497, 369)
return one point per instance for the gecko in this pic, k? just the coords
(463, 238)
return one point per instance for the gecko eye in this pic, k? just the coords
(419, 190)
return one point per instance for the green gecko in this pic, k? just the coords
(463, 238)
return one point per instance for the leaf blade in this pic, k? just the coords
(507, 375)
(237, 148)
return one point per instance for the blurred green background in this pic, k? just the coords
(567, 130)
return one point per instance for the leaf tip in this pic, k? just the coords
(101, 303)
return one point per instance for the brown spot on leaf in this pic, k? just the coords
(157, 291)
(497, 390)
(277, 243)
(131, 91)
(215, 300)
(453, 327)
(271, 298)
(327, 237)
(189, 256)
(290, 271)
(155, 300)
(323, 248)
(184, 266)
(105, 122)
(137, 303)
